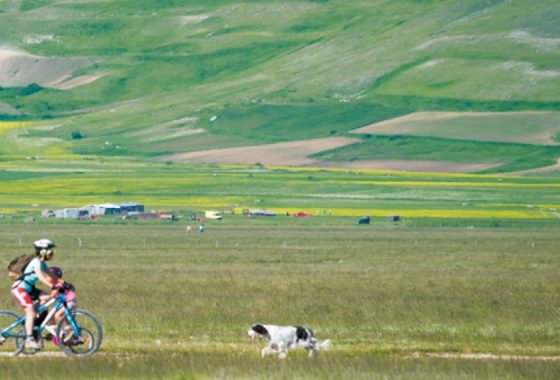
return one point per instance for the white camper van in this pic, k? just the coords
(216, 215)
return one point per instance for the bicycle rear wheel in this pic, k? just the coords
(15, 340)
(87, 341)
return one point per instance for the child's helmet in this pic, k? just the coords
(56, 271)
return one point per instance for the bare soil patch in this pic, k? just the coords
(195, 19)
(412, 117)
(418, 124)
(70, 83)
(293, 153)
(18, 68)
(7, 109)
(296, 153)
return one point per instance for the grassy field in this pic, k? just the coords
(177, 305)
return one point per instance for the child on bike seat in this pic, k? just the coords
(61, 286)
(24, 290)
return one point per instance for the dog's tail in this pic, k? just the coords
(323, 345)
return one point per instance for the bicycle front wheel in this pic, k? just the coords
(13, 342)
(87, 341)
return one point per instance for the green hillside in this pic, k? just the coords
(142, 78)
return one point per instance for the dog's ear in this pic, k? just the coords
(259, 329)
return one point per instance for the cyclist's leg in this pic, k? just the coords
(24, 299)
(37, 301)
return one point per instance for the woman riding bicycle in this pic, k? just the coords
(24, 290)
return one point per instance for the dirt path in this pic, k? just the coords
(482, 356)
(42, 354)
(416, 355)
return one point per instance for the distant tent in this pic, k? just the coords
(364, 220)
(70, 213)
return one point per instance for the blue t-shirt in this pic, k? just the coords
(29, 276)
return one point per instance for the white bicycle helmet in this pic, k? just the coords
(44, 247)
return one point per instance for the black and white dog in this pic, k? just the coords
(282, 338)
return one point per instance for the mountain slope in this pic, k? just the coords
(221, 74)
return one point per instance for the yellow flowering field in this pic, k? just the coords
(6, 125)
(50, 184)
(419, 213)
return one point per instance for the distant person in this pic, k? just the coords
(189, 229)
(24, 290)
(201, 228)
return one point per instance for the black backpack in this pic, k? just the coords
(17, 266)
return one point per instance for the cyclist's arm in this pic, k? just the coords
(56, 289)
(43, 277)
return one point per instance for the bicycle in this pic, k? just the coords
(78, 333)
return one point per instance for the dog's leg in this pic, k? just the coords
(265, 351)
(283, 349)
(270, 349)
